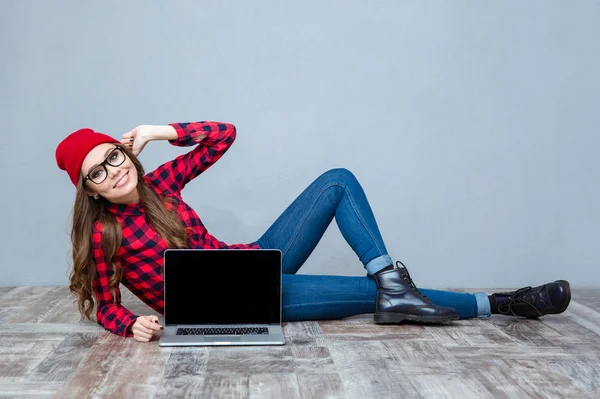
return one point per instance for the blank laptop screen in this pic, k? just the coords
(233, 286)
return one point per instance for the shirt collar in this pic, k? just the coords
(125, 209)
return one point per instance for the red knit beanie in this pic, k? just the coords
(71, 152)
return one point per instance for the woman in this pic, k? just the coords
(124, 220)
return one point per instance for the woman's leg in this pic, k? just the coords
(318, 297)
(310, 297)
(336, 193)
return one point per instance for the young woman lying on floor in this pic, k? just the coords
(124, 220)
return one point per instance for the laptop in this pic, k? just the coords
(222, 297)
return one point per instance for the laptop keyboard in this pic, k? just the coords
(223, 331)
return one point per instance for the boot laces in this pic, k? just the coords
(406, 277)
(526, 295)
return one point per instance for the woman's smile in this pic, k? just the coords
(122, 181)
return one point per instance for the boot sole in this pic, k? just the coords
(396, 318)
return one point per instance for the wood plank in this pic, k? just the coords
(366, 370)
(124, 389)
(225, 386)
(64, 311)
(24, 292)
(545, 381)
(482, 334)
(584, 374)
(326, 385)
(589, 352)
(33, 336)
(138, 366)
(28, 390)
(49, 328)
(498, 378)
(65, 358)
(96, 367)
(8, 312)
(14, 345)
(377, 383)
(16, 367)
(585, 316)
(308, 365)
(207, 385)
(186, 362)
(363, 329)
(412, 355)
(273, 385)
(5, 290)
(19, 361)
(568, 330)
(509, 353)
(251, 359)
(449, 385)
(22, 296)
(525, 332)
(587, 297)
(186, 387)
(48, 351)
(310, 352)
(304, 333)
(36, 310)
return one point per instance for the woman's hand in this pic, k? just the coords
(145, 327)
(137, 138)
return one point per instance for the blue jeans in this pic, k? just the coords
(337, 193)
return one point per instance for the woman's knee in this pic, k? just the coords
(342, 176)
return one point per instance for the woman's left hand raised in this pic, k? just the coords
(137, 138)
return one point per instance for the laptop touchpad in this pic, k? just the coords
(224, 339)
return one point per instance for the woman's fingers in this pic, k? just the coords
(151, 324)
(142, 330)
(156, 323)
(145, 327)
(130, 133)
(155, 326)
(143, 335)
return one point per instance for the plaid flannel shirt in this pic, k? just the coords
(142, 248)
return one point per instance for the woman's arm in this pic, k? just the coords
(113, 316)
(212, 140)
(109, 313)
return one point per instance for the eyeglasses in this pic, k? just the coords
(115, 158)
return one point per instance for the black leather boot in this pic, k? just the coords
(551, 298)
(398, 299)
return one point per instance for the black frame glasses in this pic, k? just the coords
(104, 163)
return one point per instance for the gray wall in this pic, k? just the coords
(472, 125)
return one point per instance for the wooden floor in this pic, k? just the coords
(46, 352)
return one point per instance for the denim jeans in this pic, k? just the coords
(337, 193)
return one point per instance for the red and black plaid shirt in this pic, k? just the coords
(142, 248)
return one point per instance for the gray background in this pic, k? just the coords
(472, 125)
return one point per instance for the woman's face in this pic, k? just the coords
(117, 184)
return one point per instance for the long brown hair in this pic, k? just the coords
(88, 210)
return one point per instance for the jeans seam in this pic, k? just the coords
(327, 303)
(304, 220)
(363, 222)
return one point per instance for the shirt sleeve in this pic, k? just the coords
(114, 317)
(174, 175)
